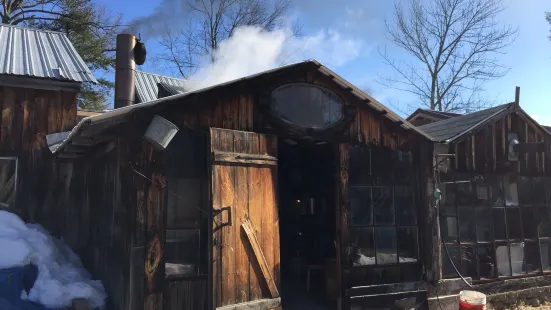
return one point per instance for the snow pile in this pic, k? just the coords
(61, 277)
(382, 259)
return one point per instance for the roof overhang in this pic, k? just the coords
(102, 122)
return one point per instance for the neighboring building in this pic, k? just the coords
(151, 86)
(40, 76)
(493, 171)
(424, 116)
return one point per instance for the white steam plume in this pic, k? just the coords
(252, 50)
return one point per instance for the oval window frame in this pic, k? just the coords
(347, 113)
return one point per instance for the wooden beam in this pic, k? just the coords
(252, 159)
(260, 258)
(494, 146)
(528, 147)
(261, 304)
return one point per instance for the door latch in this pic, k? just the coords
(216, 212)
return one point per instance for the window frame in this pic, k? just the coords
(4, 205)
(491, 180)
(374, 181)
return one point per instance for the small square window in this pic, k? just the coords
(447, 268)
(8, 181)
(465, 194)
(544, 222)
(497, 195)
(510, 190)
(468, 261)
(529, 224)
(517, 259)
(182, 248)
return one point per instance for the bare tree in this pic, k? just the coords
(454, 44)
(213, 21)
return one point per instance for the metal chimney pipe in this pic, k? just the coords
(125, 70)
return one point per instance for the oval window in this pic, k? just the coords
(307, 106)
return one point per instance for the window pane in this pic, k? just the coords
(517, 258)
(386, 245)
(468, 261)
(529, 225)
(407, 244)
(486, 260)
(502, 257)
(539, 192)
(360, 167)
(403, 173)
(363, 247)
(447, 191)
(496, 192)
(532, 256)
(361, 210)
(467, 230)
(482, 194)
(514, 230)
(464, 193)
(484, 227)
(405, 208)
(382, 203)
(182, 247)
(545, 248)
(544, 224)
(8, 186)
(448, 224)
(526, 191)
(510, 190)
(447, 269)
(381, 159)
(306, 105)
(499, 223)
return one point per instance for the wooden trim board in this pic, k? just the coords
(260, 258)
(262, 304)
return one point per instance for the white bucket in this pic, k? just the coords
(160, 132)
(472, 300)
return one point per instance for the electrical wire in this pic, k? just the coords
(172, 193)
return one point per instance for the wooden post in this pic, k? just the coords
(342, 222)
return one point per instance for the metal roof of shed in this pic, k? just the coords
(41, 53)
(146, 85)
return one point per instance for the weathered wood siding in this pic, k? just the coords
(486, 150)
(27, 116)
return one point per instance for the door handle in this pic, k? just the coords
(219, 211)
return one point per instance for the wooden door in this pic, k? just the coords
(245, 262)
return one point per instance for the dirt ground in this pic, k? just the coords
(527, 307)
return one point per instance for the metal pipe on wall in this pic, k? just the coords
(125, 70)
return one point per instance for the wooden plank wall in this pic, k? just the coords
(27, 116)
(486, 150)
(186, 294)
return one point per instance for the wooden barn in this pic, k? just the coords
(40, 76)
(288, 188)
(492, 174)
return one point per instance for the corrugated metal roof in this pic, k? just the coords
(41, 53)
(109, 119)
(449, 129)
(146, 85)
(171, 90)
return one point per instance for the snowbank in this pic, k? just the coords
(61, 277)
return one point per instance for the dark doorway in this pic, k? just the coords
(306, 173)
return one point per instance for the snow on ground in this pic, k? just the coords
(61, 277)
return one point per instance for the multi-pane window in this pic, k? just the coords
(495, 226)
(383, 219)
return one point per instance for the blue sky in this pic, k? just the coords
(362, 23)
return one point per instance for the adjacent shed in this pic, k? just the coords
(40, 76)
(492, 171)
